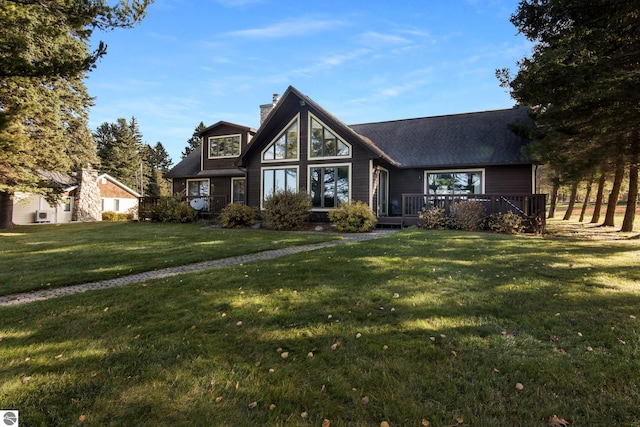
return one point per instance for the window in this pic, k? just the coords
(116, 205)
(277, 180)
(329, 186)
(66, 204)
(455, 182)
(237, 190)
(197, 188)
(285, 146)
(324, 143)
(224, 146)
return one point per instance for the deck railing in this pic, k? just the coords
(530, 206)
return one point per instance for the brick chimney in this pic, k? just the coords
(265, 109)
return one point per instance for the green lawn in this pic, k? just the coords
(50, 256)
(416, 328)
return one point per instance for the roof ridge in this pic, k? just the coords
(438, 116)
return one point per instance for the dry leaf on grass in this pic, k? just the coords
(326, 423)
(425, 423)
(253, 405)
(554, 421)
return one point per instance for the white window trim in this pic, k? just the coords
(297, 169)
(380, 168)
(329, 165)
(297, 158)
(309, 129)
(481, 170)
(198, 180)
(245, 189)
(209, 156)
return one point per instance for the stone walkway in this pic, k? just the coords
(24, 298)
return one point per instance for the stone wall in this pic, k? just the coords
(88, 202)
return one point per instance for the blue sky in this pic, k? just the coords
(364, 61)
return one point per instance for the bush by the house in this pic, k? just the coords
(237, 215)
(109, 216)
(353, 217)
(173, 209)
(468, 215)
(506, 223)
(434, 218)
(286, 210)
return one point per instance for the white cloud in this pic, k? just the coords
(294, 27)
(374, 39)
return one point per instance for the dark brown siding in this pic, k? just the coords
(222, 163)
(515, 179)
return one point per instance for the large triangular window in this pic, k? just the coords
(285, 146)
(324, 143)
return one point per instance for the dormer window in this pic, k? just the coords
(224, 146)
(324, 143)
(285, 146)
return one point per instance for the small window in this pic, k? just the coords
(224, 146)
(285, 146)
(325, 143)
(116, 205)
(238, 190)
(197, 188)
(66, 204)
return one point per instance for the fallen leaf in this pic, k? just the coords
(326, 423)
(239, 323)
(284, 354)
(358, 335)
(589, 348)
(74, 401)
(310, 355)
(59, 356)
(554, 421)
(218, 399)
(253, 405)
(455, 354)
(496, 370)
(272, 407)
(365, 400)
(26, 379)
(553, 338)
(519, 386)
(396, 295)
(82, 418)
(460, 420)
(304, 414)
(279, 349)
(425, 423)
(271, 370)
(384, 424)
(621, 341)
(385, 347)
(334, 346)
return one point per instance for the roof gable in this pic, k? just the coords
(287, 107)
(119, 184)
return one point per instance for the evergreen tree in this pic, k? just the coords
(44, 57)
(121, 151)
(194, 142)
(582, 83)
(158, 163)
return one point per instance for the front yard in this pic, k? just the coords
(434, 328)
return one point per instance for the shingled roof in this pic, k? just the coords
(470, 139)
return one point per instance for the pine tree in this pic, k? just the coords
(121, 151)
(194, 142)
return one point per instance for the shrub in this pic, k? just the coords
(506, 223)
(353, 217)
(109, 216)
(237, 215)
(468, 215)
(286, 210)
(173, 209)
(433, 219)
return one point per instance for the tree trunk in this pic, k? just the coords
(586, 199)
(572, 201)
(6, 210)
(597, 207)
(609, 220)
(553, 199)
(632, 200)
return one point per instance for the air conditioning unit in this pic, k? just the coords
(44, 216)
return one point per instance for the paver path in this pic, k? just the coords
(24, 298)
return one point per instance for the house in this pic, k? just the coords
(84, 196)
(396, 167)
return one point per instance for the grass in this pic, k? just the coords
(437, 326)
(51, 256)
